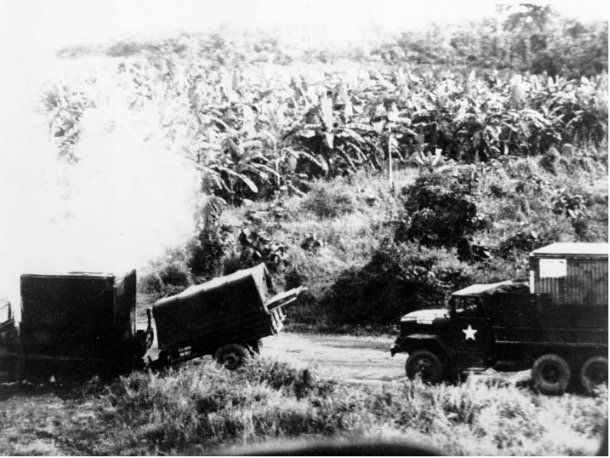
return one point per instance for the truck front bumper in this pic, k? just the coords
(396, 348)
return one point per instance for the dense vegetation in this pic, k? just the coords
(256, 130)
(524, 37)
(521, 37)
(308, 161)
(203, 409)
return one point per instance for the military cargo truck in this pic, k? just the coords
(556, 325)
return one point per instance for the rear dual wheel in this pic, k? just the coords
(594, 373)
(551, 374)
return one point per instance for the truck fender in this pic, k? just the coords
(413, 341)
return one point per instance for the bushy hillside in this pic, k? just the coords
(369, 254)
(380, 183)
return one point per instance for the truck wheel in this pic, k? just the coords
(593, 373)
(231, 356)
(551, 374)
(163, 361)
(427, 365)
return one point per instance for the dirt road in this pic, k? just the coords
(354, 359)
(348, 358)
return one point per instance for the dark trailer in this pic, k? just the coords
(225, 317)
(79, 322)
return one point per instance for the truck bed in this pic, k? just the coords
(236, 308)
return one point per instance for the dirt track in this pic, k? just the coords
(353, 359)
(349, 358)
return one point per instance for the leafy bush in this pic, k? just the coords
(167, 274)
(326, 202)
(206, 253)
(549, 160)
(397, 280)
(441, 209)
(522, 242)
(257, 247)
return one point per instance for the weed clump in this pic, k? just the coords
(326, 202)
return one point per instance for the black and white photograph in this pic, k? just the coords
(280, 227)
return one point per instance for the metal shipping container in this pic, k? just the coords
(570, 274)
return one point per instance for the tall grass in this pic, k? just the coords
(204, 409)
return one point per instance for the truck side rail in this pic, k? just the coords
(568, 337)
(541, 343)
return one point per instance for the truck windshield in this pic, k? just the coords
(466, 305)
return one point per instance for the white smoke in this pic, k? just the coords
(127, 199)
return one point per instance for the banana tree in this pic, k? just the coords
(337, 138)
(428, 161)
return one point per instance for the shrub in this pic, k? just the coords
(549, 160)
(206, 253)
(441, 208)
(523, 242)
(398, 279)
(257, 246)
(167, 274)
(325, 202)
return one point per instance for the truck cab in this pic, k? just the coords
(443, 343)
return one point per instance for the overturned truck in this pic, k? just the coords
(81, 323)
(226, 317)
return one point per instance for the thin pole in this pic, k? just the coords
(391, 175)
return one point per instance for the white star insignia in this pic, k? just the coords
(469, 332)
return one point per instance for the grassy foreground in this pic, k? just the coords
(201, 409)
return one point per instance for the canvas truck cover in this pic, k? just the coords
(216, 310)
(505, 287)
(77, 314)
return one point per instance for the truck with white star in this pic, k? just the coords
(556, 324)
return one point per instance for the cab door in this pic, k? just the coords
(471, 333)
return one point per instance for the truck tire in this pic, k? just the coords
(427, 365)
(164, 360)
(231, 356)
(551, 374)
(593, 373)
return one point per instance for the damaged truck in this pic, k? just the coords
(80, 323)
